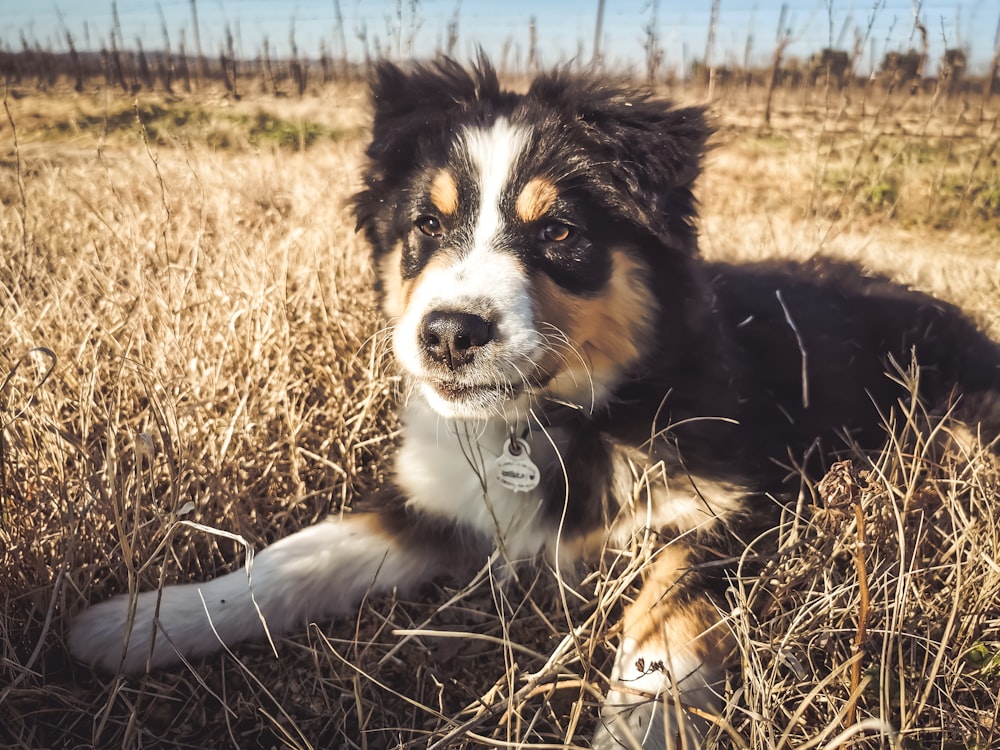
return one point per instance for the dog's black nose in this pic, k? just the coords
(452, 338)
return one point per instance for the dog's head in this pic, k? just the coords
(520, 240)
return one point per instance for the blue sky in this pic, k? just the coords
(565, 27)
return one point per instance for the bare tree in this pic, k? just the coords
(74, 58)
(167, 60)
(451, 31)
(202, 63)
(270, 83)
(924, 46)
(991, 82)
(144, 72)
(781, 42)
(713, 24)
(532, 44)
(341, 35)
(747, 52)
(362, 34)
(651, 43)
(118, 52)
(598, 32)
(324, 61)
(182, 63)
(229, 65)
(298, 66)
(413, 25)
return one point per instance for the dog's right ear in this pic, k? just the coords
(412, 105)
(419, 100)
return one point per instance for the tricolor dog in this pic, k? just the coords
(578, 382)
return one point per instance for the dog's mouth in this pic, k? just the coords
(458, 392)
(453, 398)
(485, 391)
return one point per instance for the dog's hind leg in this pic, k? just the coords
(667, 673)
(321, 571)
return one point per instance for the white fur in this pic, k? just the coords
(319, 572)
(640, 709)
(447, 468)
(494, 152)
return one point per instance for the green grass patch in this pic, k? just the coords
(167, 124)
(932, 182)
(771, 142)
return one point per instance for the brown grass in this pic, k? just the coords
(215, 359)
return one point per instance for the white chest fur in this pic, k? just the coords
(448, 468)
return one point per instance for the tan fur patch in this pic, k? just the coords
(659, 622)
(605, 333)
(407, 287)
(444, 193)
(536, 199)
(649, 495)
(395, 291)
(585, 546)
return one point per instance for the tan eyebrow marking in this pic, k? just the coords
(444, 193)
(536, 199)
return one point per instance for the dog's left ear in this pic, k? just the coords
(648, 152)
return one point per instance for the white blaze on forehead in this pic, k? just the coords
(493, 153)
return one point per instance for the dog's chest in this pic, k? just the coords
(465, 472)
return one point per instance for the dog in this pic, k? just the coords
(578, 381)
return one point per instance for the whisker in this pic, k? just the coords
(563, 346)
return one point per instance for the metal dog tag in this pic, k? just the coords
(514, 469)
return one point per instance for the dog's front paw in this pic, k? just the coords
(658, 699)
(630, 722)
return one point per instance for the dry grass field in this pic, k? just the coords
(191, 364)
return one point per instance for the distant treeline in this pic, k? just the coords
(831, 67)
(136, 70)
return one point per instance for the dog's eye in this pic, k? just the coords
(557, 232)
(430, 225)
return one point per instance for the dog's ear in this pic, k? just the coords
(647, 152)
(412, 101)
(411, 106)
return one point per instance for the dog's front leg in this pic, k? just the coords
(321, 571)
(669, 661)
